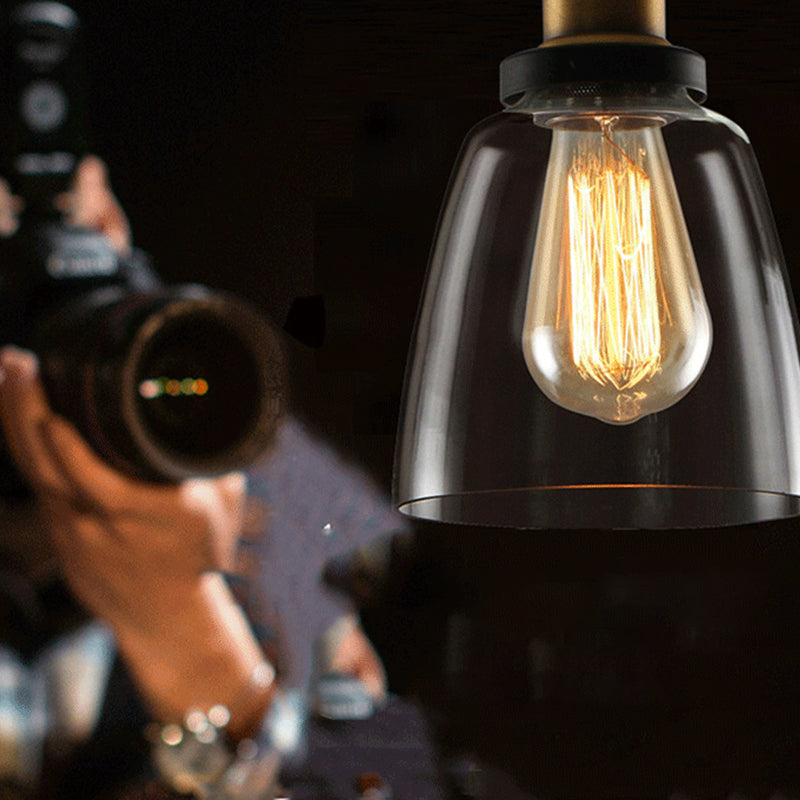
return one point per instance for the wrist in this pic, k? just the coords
(200, 653)
(246, 712)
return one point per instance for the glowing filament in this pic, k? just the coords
(616, 325)
(613, 285)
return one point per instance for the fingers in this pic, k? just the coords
(23, 412)
(50, 452)
(92, 482)
(10, 208)
(355, 656)
(55, 459)
(203, 516)
(222, 501)
(90, 203)
(369, 670)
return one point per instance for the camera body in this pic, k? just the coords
(164, 382)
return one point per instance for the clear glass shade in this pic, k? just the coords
(607, 336)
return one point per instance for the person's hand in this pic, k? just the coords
(347, 650)
(167, 533)
(10, 208)
(89, 203)
(145, 559)
(141, 557)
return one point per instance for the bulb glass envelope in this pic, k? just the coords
(481, 443)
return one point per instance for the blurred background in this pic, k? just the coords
(297, 152)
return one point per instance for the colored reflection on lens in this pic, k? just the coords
(151, 388)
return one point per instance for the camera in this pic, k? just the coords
(164, 382)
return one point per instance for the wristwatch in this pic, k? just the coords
(198, 759)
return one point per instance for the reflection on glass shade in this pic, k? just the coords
(616, 324)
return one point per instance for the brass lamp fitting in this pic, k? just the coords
(588, 21)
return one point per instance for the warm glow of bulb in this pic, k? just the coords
(616, 324)
(613, 286)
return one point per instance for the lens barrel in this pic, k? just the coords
(168, 385)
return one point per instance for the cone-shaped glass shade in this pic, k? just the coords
(564, 372)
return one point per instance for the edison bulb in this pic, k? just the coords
(616, 322)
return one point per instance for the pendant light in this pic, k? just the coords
(607, 337)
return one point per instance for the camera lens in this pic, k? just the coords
(167, 385)
(197, 386)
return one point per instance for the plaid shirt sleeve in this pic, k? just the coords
(319, 508)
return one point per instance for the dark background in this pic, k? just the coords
(302, 149)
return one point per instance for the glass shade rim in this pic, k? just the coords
(752, 506)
